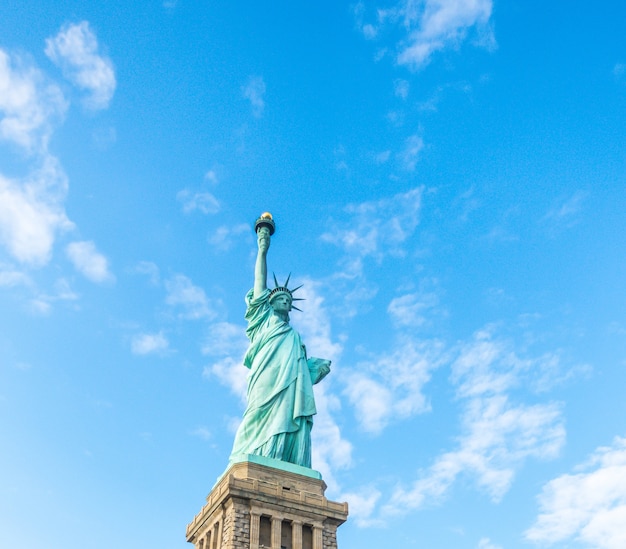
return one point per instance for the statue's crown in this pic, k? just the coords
(283, 289)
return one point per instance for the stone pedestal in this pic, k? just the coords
(257, 504)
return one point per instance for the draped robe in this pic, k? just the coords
(279, 416)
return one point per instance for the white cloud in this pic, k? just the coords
(31, 208)
(401, 88)
(433, 25)
(498, 435)
(104, 137)
(75, 51)
(11, 277)
(313, 323)
(254, 91)
(330, 450)
(204, 202)
(151, 270)
(145, 344)
(589, 506)
(486, 543)
(223, 238)
(382, 157)
(63, 292)
(369, 31)
(28, 104)
(41, 304)
(410, 310)
(230, 372)
(88, 261)
(410, 155)
(362, 504)
(211, 177)
(202, 432)
(226, 343)
(225, 338)
(376, 228)
(486, 366)
(32, 213)
(191, 299)
(391, 387)
(565, 213)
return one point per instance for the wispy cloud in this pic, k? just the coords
(429, 26)
(254, 91)
(486, 543)
(433, 25)
(75, 50)
(32, 213)
(226, 343)
(204, 202)
(409, 310)
(369, 30)
(31, 208)
(314, 321)
(88, 261)
(11, 277)
(202, 432)
(41, 304)
(565, 213)
(225, 338)
(498, 435)
(410, 154)
(150, 269)
(362, 504)
(391, 387)
(382, 157)
(376, 229)
(191, 300)
(588, 506)
(211, 177)
(146, 344)
(401, 88)
(224, 237)
(230, 372)
(29, 104)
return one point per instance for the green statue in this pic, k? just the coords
(278, 419)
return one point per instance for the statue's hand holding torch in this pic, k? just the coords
(264, 228)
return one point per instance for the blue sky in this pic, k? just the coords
(448, 180)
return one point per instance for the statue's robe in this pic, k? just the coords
(278, 419)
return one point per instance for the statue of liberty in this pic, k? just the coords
(279, 416)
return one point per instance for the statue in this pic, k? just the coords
(279, 416)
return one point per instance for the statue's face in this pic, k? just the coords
(282, 303)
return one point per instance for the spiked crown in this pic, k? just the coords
(283, 289)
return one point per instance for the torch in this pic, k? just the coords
(265, 220)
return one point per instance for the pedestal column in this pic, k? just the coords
(296, 534)
(255, 520)
(317, 537)
(276, 527)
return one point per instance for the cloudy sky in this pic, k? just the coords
(448, 179)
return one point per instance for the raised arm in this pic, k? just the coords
(260, 268)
